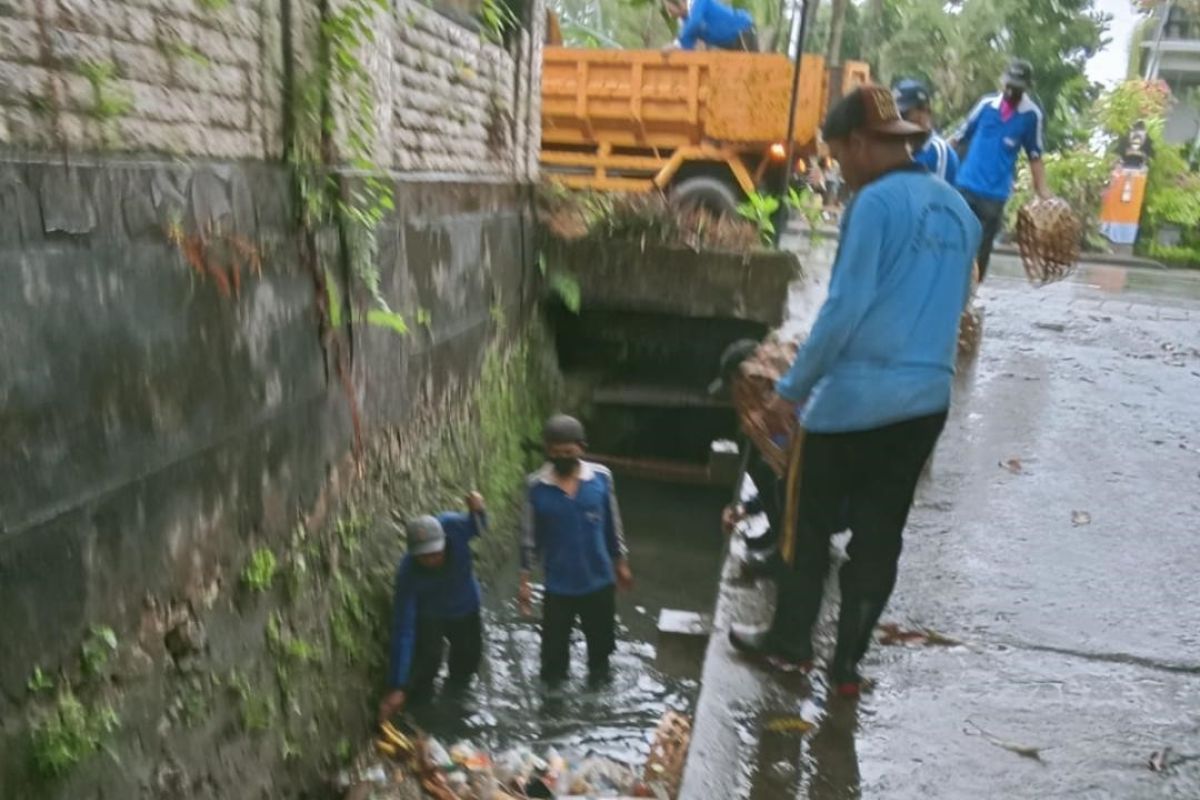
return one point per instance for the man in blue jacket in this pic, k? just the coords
(572, 522)
(436, 602)
(937, 156)
(713, 23)
(874, 379)
(997, 129)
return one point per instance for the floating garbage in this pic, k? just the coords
(399, 766)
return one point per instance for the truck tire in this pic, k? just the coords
(706, 192)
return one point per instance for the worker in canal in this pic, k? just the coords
(714, 24)
(873, 379)
(997, 129)
(913, 100)
(571, 522)
(436, 602)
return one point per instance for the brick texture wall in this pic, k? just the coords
(461, 104)
(206, 78)
(184, 77)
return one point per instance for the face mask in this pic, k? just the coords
(565, 465)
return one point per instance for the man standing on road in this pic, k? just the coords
(874, 376)
(436, 601)
(998, 127)
(713, 23)
(572, 522)
(937, 156)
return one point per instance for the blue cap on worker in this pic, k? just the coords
(910, 93)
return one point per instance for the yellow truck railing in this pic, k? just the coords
(632, 120)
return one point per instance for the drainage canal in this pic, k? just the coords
(639, 381)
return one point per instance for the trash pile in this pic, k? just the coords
(413, 767)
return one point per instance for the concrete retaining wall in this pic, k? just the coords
(172, 402)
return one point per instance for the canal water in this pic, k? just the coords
(676, 547)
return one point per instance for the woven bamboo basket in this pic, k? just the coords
(753, 387)
(1049, 235)
(668, 754)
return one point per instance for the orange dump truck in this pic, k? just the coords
(708, 127)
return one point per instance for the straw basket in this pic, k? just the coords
(665, 765)
(754, 387)
(1048, 234)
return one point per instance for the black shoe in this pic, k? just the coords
(758, 647)
(761, 544)
(762, 564)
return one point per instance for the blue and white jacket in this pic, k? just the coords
(994, 144)
(579, 539)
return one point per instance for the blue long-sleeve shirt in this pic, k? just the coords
(882, 348)
(580, 538)
(450, 592)
(714, 23)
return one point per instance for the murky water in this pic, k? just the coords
(675, 551)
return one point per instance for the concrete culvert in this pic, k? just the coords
(703, 191)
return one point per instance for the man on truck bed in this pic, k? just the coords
(713, 23)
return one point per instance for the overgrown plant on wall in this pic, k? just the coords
(335, 108)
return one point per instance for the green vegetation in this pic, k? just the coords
(760, 209)
(97, 649)
(259, 572)
(68, 734)
(179, 49)
(108, 100)
(257, 710)
(497, 19)
(39, 682)
(807, 204)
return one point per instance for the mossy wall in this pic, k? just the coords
(196, 551)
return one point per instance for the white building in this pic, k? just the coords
(1171, 52)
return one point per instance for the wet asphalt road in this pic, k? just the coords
(1057, 538)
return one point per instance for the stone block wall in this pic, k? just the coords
(207, 78)
(460, 103)
(183, 77)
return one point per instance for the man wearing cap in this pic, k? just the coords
(713, 23)
(572, 524)
(997, 129)
(874, 379)
(436, 602)
(937, 156)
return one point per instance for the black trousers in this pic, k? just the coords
(465, 637)
(597, 615)
(866, 479)
(990, 214)
(746, 42)
(770, 498)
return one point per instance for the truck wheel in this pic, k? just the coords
(712, 194)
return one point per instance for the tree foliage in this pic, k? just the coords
(961, 48)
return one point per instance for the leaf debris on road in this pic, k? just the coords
(891, 633)
(1025, 751)
(1013, 465)
(1079, 518)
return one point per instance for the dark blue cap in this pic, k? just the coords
(910, 93)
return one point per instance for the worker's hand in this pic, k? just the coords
(475, 503)
(524, 596)
(391, 705)
(730, 517)
(779, 415)
(624, 575)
